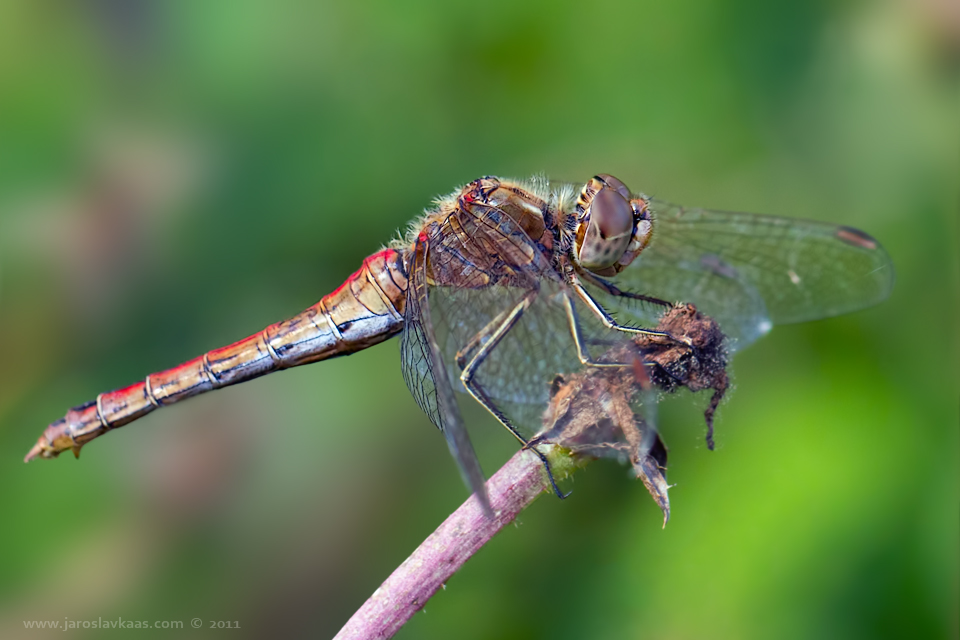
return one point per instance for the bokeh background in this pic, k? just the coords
(176, 175)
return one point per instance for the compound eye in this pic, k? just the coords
(608, 231)
(611, 213)
(615, 183)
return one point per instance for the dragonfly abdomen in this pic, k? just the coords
(365, 310)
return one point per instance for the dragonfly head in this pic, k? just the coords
(612, 227)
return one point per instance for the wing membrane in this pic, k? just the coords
(482, 266)
(426, 377)
(752, 271)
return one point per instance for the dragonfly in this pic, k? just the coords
(504, 284)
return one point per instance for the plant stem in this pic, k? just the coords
(511, 489)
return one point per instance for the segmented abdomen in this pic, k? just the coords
(365, 310)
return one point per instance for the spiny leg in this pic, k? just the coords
(494, 333)
(587, 360)
(584, 356)
(473, 344)
(610, 323)
(613, 290)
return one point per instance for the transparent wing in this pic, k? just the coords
(517, 372)
(493, 298)
(426, 377)
(750, 272)
(500, 315)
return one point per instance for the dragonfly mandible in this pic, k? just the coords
(504, 284)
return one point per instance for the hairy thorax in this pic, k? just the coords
(543, 211)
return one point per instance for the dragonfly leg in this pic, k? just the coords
(466, 353)
(610, 323)
(587, 360)
(481, 345)
(613, 290)
(582, 353)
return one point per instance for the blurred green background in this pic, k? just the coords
(176, 175)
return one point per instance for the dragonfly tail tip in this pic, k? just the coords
(36, 451)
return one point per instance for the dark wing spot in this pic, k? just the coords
(857, 238)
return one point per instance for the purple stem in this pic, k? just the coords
(406, 591)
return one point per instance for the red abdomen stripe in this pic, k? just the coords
(365, 310)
